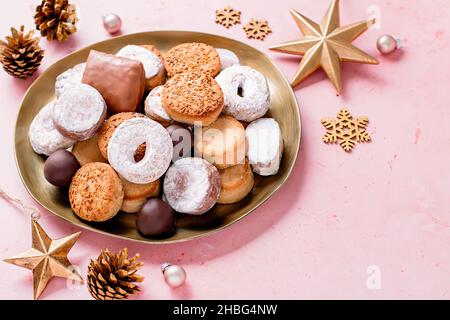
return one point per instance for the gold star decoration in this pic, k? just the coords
(228, 17)
(257, 29)
(326, 45)
(346, 130)
(47, 258)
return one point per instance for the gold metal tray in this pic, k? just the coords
(283, 108)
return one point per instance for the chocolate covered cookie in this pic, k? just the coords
(121, 81)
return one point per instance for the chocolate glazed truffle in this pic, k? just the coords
(155, 218)
(60, 168)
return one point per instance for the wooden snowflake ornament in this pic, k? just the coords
(346, 130)
(257, 29)
(228, 17)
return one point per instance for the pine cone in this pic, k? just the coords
(56, 19)
(21, 54)
(111, 275)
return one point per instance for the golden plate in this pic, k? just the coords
(283, 108)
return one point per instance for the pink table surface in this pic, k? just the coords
(385, 205)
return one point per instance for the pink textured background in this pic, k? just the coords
(387, 204)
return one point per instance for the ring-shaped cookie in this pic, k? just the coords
(227, 58)
(245, 91)
(126, 139)
(79, 112)
(69, 78)
(109, 125)
(152, 61)
(154, 109)
(265, 146)
(192, 186)
(43, 136)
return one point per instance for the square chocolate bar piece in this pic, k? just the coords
(121, 81)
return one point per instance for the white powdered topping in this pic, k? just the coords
(44, 137)
(265, 146)
(186, 185)
(69, 78)
(127, 137)
(152, 64)
(79, 111)
(227, 58)
(153, 104)
(246, 93)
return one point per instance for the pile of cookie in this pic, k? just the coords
(156, 134)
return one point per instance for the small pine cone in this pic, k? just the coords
(21, 54)
(56, 19)
(111, 275)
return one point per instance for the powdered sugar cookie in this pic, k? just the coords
(227, 58)
(150, 58)
(160, 78)
(154, 109)
(79, 112)
(69, 78)
(265, 146)
(246, 93)
(108, 127)
(192, 186)
(124, 142)
(43, 136)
